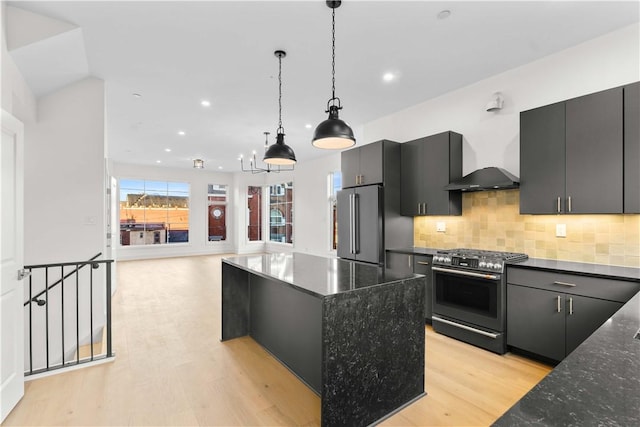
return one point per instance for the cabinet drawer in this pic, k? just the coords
(595, 287)
(422, 264)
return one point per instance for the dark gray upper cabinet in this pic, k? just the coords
(428, 165)
(594, 153)
(631, 95)
(542, 159)
(572, 156)
(364, 165)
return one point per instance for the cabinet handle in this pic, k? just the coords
(409, 261)
(569, 204)
(423, 263)
(558, 208)
(424, 208)
(418, 208)
(361, 179)
(559, 309)
(564, 284)
(570, 305)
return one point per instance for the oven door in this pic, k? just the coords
(469, 296)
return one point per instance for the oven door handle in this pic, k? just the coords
(466, 273)
(465, 327)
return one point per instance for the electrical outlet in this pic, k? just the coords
(561, 230)
(441, 226)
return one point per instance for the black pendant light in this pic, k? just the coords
(333, 133)
(280, 153)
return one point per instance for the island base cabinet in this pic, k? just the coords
(552, 324)
(536, 321)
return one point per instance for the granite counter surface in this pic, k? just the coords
(596, 385)
(414, 250)
(608, 271)
(317, 275)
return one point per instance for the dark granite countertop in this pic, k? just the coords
(414, 250)
(627, 273)
(598, 384)
(317, 275)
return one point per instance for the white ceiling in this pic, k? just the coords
(177, 53)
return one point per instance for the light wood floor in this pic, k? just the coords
(172, 370)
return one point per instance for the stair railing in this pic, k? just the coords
(70, 285)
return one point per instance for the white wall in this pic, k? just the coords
(17, 98)
(492, 139)
(64, 176)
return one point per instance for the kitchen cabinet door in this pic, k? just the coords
(594, 153)
(371, 163)
(428, 165)
(411, 178)
(400, 262)
(632, 148)
(542, 160)
(536, 321)
(350, 167)
(422, 265)
(584, 316)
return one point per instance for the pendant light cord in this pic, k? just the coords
(333, 54)
(280, 128)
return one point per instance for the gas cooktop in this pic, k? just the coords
(477, 259)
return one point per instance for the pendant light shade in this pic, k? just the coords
(333, 133)
(279, 153)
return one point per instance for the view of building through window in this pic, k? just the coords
(216, 212)
(335, 185)
(254, 213)
(153, 212)
(281, 212)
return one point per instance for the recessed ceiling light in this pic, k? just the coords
(136, 95)
(181, 133)
(158, 161)
(168, 150)
(387, 77)
(308, 126)
(219, 167)
(205, 103)
(444, 14)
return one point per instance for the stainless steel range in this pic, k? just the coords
(469, 295)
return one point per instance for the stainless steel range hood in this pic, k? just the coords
(491, 178)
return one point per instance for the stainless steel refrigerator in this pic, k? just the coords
(360, 224)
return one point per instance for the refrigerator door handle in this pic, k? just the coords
(350, 223)
(356, 224)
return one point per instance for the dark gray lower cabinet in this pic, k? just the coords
(403, 262)
(422, 265)
(552, 324)
(534, 323)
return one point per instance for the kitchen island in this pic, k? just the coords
(353, 332)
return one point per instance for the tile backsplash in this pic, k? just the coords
(491, 220)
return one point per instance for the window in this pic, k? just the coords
(254, 213)
(281, 213)
(216, 212)
(153, 212)
(335, 185)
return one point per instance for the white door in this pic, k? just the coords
(11, 261)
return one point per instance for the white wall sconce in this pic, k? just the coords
(495, 103)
